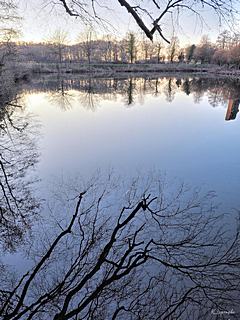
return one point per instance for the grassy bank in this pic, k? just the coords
(110, 68)
(25, 70)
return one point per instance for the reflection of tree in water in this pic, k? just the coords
(156, 93)
(89, 99)
(17, 156)
(129, 92)
(170, 90)
(61, 97)
(123, 253)
(186, 86)
(215, 98)
(129, 251)
(179, 82)
(218, 90)
(87, 91)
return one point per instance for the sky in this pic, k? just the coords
(41, 19)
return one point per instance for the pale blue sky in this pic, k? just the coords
(40, 21)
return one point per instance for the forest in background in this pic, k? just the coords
(106, 55)
(134, 48)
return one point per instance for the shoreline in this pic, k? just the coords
(109, 69)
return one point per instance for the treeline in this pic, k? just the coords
(225, 51)
(132, 49)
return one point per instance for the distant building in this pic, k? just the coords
(232, 109)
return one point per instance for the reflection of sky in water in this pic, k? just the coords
(189, 141)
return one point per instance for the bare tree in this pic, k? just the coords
(149, 15)
(131, 46)
(159, 46)
(58, 42)
(8, 12)
(108, 48)
(9, 31)
(146, 48)
(87, 38)
(149, 254)
(173, 49)
(8, 48)
(224, 40)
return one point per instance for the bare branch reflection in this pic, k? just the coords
(134, 250)
(170, 90)
(18, 156)
(89, 99)
(61, 97)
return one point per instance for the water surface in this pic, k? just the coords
(187, 128)
(67, 129)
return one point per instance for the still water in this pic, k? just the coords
(56, 131)
(186, 128)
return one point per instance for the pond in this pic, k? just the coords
(186, 128)
(145, 238)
